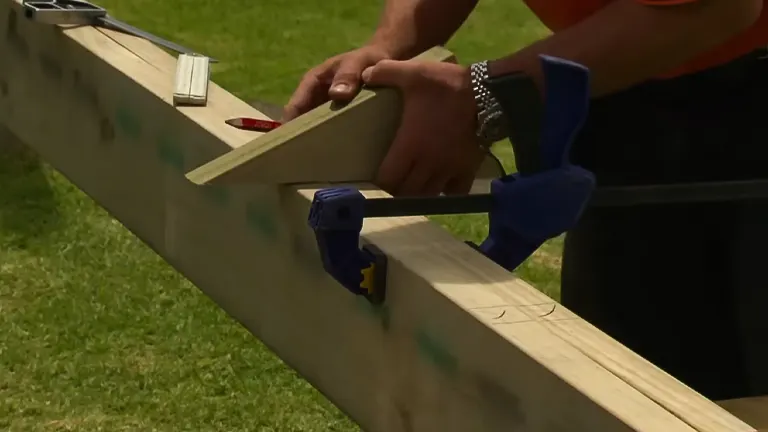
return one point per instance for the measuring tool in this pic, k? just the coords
(75, 12)
(190, 86)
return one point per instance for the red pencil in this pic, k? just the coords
(253, 124)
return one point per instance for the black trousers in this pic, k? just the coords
(683, 285)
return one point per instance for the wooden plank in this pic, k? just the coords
(331, 143)
(754, 410)
(271, 110)
(460, 345)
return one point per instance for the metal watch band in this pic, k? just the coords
(483, 97)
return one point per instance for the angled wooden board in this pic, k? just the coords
(754, 410)
(461, 345)
(331, 143)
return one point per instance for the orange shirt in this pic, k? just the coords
(560, 14)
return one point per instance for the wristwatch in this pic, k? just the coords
(509, 106)
(491, 121)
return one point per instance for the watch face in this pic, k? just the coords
(493, 127)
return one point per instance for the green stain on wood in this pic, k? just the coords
(380, 312)
(170, 153)
(436, 352)
(219, 195)
(128, 122)
(261, 220)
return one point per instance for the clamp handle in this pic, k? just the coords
(336, 216)
(529, 209)
(525, 210)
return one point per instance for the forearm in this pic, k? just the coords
(409, 27)
(627, 42)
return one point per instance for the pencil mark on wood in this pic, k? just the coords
(511, 306)
(502, 323)
(550, 312)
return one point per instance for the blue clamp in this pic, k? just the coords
(336, 217)
(524, 210)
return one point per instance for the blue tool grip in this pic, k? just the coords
(566, 107)
(336, 216)
(528, 210)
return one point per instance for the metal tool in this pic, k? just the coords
(525, 210)
(76, 12)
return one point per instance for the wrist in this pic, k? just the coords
(394, 48)
(491, 123)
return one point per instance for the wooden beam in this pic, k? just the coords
(460, 345)
(331, 143)
(754, 410)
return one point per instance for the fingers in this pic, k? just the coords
(435, 185)
(309, 93)
(393, 170)
(403, 172)
(462, 183)
(390, 73)
(459, 185)
(339, 79)
(415, 181)
(346, 83)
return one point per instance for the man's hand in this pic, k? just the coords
(435, 149)
(338, 79)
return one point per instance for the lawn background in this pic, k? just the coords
(97, 333)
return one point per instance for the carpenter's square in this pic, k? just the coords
(76, 12)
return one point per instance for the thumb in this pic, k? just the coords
(346, 81)
(389, 73)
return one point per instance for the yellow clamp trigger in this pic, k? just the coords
(367, 283)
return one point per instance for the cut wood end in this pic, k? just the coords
(200, 175)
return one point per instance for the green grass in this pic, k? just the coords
(98, 333)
